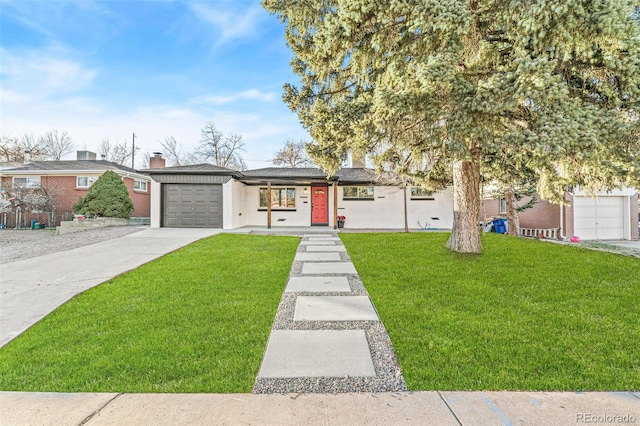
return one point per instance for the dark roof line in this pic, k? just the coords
(81, 165)
(352, 175)
(204, 168)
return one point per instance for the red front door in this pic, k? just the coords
(319, 205)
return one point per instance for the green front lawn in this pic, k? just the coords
(196, 320)
(524, 315)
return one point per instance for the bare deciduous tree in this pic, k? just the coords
(13, 148)
(104, 148)
(56, 145)
(173, 151)
(146, 160)
(220, 150)
(8, 150)
(115, 152)
(121, 153)
(24, 201)
(293, 154)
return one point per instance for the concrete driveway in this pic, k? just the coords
(625, 243)
(31, 289)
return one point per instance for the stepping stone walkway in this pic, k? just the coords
(327, 336)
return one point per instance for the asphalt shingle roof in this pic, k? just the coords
(354, 175)
(348, 175)
(86, 165)
(193, 168)
(285, 172)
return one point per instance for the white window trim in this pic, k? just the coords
(89, 182)
(502, 208)
(146, 185)
(27, 184)
(422, 196)
(358, 197)
(278, 188)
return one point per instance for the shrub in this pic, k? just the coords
(107, 197)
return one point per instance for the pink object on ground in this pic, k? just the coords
(575, 239)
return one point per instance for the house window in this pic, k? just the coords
(419, 193)
(83, 182)
(281, 198)
(27, 182)
(139, 185)
(503, 205)
(357, 193)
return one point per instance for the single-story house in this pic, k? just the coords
(65, 182)
(210, 196)
(611, 215)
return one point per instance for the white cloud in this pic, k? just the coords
(9, 96)
(23, 12)
(50, 87)
(87, 122)
(41, 73)
(231, 24)
(251, 94)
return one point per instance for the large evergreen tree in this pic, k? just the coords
(430, 85)
(107, 197)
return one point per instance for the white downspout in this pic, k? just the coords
(562, 236)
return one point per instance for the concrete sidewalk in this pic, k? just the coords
(33, 288)
(392, 408)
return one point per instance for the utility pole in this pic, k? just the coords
(133, 152)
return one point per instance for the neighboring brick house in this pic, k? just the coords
(543, 215)
(65, 182)
(611, 215)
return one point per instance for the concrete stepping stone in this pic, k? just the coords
(324, 239)
(318, 243)
(334, 308)
(317, 353)
(325, 248)
(318, 284)
(328, 268)
(319, 256)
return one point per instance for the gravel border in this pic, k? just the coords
(26, 244)
(388, 377)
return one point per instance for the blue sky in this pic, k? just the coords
(107, 69)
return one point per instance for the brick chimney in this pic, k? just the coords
(157, 162)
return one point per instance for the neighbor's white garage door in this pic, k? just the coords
(598, 218)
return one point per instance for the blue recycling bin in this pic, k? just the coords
(500, 225)
(33, 224)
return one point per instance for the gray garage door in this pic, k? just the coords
(192, 206)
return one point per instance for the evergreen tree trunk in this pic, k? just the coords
(465, 235)
(513, 225)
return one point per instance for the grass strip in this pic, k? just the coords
(524, 315)
(195, 320)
